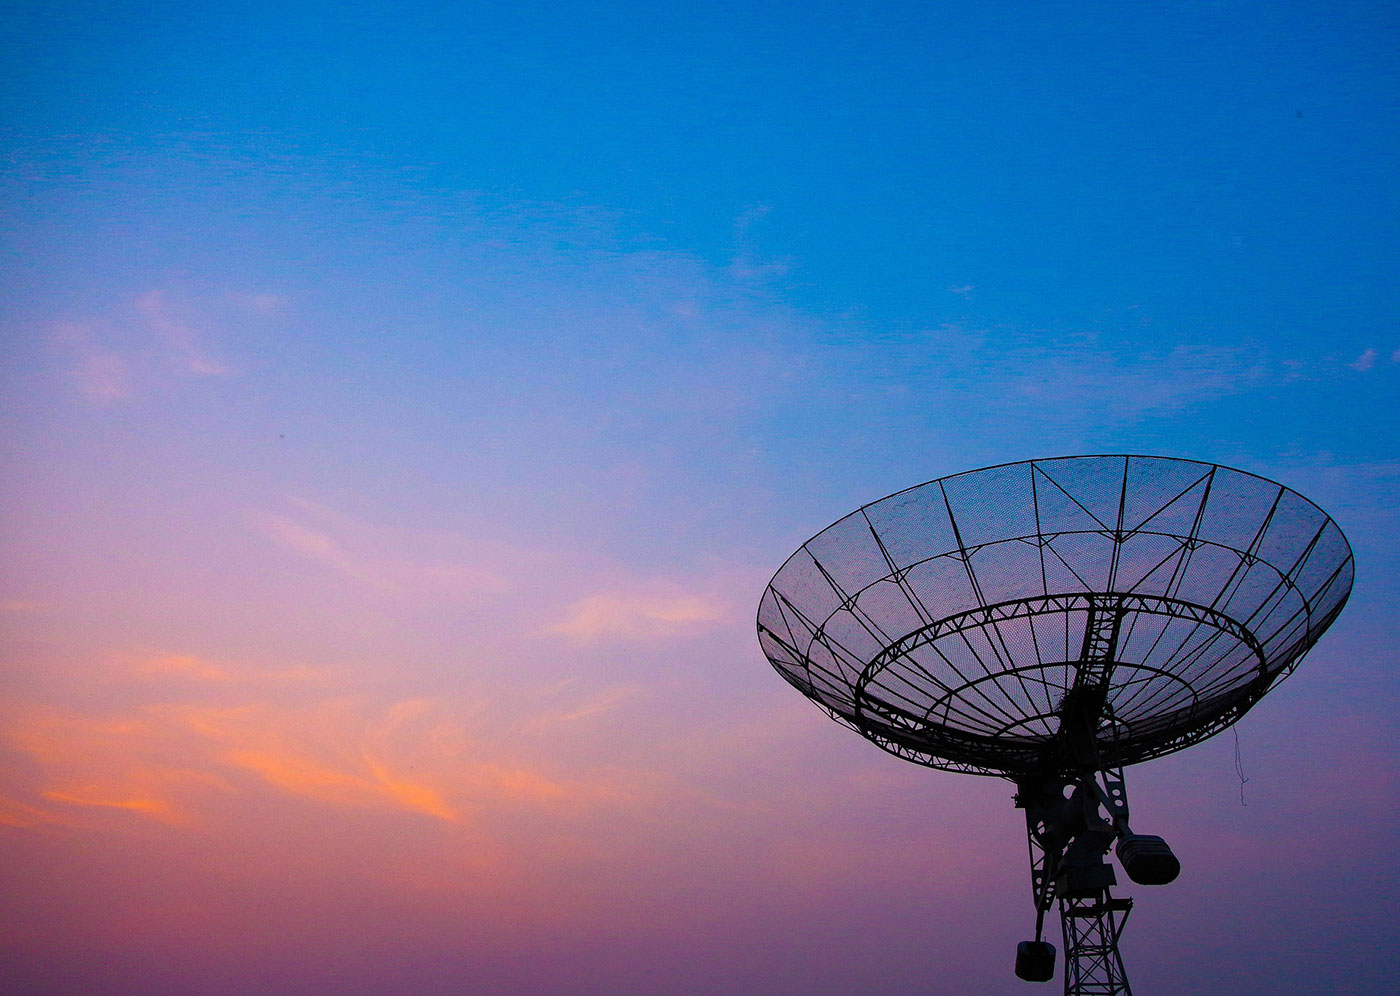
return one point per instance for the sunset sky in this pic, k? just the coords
(403, 406)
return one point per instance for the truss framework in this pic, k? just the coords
(1092, 926)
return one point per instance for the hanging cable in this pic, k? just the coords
(1239, 766)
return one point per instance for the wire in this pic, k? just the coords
(1239, 765)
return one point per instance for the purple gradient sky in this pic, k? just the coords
(403, 407)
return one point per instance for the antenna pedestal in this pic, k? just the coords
(1069, 839)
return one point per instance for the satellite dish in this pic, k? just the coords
(1050, 622)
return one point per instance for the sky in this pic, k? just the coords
(403, 407)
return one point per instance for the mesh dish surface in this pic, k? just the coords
(948, 622)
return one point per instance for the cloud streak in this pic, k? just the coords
(135, 347)
(639, 614)
(393, 560)
(179, 337)
(181, 760)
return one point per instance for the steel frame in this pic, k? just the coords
(915, 737)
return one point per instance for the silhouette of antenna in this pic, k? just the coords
(1051, 622)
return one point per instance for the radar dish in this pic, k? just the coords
(1052, 621)
(952, 622)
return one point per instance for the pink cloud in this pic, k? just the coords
(178, 336)
(101, 373)
(1365, 361)
(20, 605)
(136, 345)
(598, 704)
(649, 614)
(390, 560)
(323, 548)
(265, 304)
(103, 378)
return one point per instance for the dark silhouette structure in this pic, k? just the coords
(1051, 622)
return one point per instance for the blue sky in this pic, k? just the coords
(404, 407)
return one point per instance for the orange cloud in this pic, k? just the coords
(162, 760)
(155, 807)
(175, 738)
(521, 784)
(313, 779)
(155, 763)
(182, 665)
(16, 813)
(330, 752)
(122, 763)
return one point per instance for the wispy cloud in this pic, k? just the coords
(178, 335)
(118, 762)
(100, 373)
(1070, 382)
(392, 560)
(16, 813)
(376, 783)
(103, 377)
(138, 345)
(185, 669)
(1365, 361)
(184, 666)
(182, 762)
(19, 605)
(263, 303)
(336, 751)
(325, 549)
(597, 704)
(1114, 386)
(657, 613)
(120, 798)
(748, 264)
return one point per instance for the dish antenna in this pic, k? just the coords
(1051, 622)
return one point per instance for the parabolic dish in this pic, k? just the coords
(949, 622)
